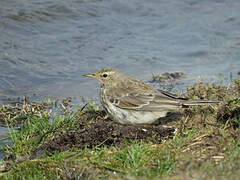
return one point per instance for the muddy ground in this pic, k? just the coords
(195, 140)
(93, 130)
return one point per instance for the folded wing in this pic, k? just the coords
(146, 102)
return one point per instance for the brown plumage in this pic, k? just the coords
(131, 101)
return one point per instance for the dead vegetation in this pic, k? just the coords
(197, 144)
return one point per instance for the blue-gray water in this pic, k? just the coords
(47, 45)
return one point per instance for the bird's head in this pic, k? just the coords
(108, 76)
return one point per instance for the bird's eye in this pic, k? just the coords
(105, 75)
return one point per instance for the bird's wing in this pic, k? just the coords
(137, 95)
(170, 95)
(145, 101)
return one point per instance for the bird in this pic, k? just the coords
(131, 101)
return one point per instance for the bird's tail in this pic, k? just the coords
(199, 102)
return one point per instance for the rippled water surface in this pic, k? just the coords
(47, 45)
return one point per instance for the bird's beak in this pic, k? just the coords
(90, 75)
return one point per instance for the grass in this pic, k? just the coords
(206, 144)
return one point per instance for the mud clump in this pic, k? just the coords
(92, 130)
(167, 77)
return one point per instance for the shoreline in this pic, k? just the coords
(85, 142)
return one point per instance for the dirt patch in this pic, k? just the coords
(92, 130)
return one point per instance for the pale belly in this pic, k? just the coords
(124, 116)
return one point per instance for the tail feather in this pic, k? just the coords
(199, 102)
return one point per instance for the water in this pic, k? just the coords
(47, 45)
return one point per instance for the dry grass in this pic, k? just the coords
(88, 145)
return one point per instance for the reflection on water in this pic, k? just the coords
(47, 45)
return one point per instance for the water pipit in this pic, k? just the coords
(131, 101)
